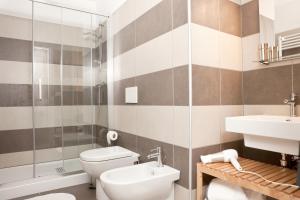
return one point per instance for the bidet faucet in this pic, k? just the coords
(156, 154)
(292, 103)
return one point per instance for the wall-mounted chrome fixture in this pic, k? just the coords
(292, 103)
(156, 154)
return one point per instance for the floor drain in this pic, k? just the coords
(60, 170)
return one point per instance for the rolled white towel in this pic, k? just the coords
(221, 190)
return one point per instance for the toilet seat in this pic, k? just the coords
(103, 154)
(54, 196)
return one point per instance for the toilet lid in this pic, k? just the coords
(107, 153)
(54, 196)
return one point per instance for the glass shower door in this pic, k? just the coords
(66, 60)
(47, 78)
(77, 87)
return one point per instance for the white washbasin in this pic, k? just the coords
(274, 133)
(143, 181)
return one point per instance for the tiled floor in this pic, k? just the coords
(81, 192)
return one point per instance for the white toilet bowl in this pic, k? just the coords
(97, 161)
(54, 196)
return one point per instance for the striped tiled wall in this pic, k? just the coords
(265, 86)
(81, 91)
(151, 52)
(216, 75)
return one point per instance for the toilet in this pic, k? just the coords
(54, 196)
(96, 161)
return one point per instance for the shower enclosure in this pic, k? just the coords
(52, 88)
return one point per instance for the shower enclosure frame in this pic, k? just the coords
(60, 170)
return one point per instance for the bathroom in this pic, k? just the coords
(96, 92)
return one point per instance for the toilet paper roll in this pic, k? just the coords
(111, 136)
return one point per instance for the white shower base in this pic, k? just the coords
(18, 181)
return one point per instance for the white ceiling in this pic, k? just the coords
(103, 7)
(42, 12)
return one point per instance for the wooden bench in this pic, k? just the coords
(228, 173)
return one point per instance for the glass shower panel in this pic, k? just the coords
(77, 86)
(47, 31)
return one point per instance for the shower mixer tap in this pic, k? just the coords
(292, 103)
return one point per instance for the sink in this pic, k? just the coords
(269, 132)
(144, 181)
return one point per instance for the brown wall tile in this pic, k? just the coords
(48, 138)
(250, 18)
(127, 140)
(100, 94)
(206, 13)
(155, 22)
(181, 162)
(16, 141)
(296, 81)
(51, 95)
(119, 90)
(206, 85)
(237, 145)
(124, 40)
(77, 95)
(262, 155)
(144, 145)
(179, 13)
(78, 135)
(231, 87)
(15, 50)
(230, 18)
(267, 86)
(155, 88)
(196, 158)
(100, 134)
(12, 95)
(181, 86)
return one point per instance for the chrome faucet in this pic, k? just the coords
(292, 103)
(156, 153)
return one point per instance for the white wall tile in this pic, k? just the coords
(180, 46)
(48, 116)
(155, 122)
(101, 117)
(48, 73)
(46, 155)
(230, 51)
(245, 1)
(130, 11)
(181, 126)
(250, 46)
(154, 55)
(54, 116)
(15, 118)
(124, 118)
(123, 16)
(16, 158)
(205, 126)
(124, 65)
(229, 111)
(236, 1)
(181, 193)
(143, 6)
(205, 46)
(266, 110)
(15, 27)
(13, 72)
